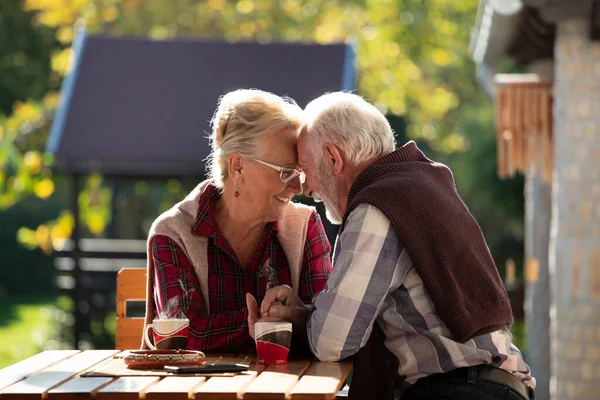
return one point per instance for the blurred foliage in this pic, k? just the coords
(32, 323)
(412, 62)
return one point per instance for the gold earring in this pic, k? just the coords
(237, 192)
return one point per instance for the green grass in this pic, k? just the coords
(27, 326)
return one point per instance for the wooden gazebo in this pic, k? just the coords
(135, 108)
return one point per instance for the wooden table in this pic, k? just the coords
(59, 374)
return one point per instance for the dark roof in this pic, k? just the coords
(511, 28)
(534, 39)
(142, 107)
(561, 10)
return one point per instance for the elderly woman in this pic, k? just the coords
(239, 232)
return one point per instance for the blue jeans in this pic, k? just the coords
(456, 387)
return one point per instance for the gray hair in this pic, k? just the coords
(352, 123)
(243, 117)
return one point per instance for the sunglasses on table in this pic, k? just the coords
(286, 175)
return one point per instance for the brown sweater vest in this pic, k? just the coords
(445, 242)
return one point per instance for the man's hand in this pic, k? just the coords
(281, 302)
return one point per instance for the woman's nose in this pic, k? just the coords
(295, 185)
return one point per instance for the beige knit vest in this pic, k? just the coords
(177, 224)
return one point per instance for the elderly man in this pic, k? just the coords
(412, 274)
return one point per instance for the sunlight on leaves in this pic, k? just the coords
(62, 61)
(44, 188)
(244, 6)
(96, 224)
(42, 237)
(216, 4)
(65, 35)
(33, 161)
(110, 14)
(27, 237)
(51, 100)
(403, 45)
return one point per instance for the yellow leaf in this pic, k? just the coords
(325, 34)
(66, 222)
(392, 49)
(58, 234)
(110, 14)
(1, 132)
(25, 111)
(247, 28)
(33, 161)
(27, 237)
(96, 224)
(57, 17)
(216, 4)
(62, 61)
(65, 34)
(454, 142)
(51, 100)
(44, 188)
(42, 236)
(31, 5)
(41, 232)
(244, 6)
(78, 4)
(441, 57)
(159, 33)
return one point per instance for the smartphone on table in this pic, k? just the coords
(206, 369)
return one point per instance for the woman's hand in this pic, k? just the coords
(254, 315)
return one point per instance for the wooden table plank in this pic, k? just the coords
(174, 388)
(229, 388)
(221, 358)
(23, 369)
(322, 381)
(78, 388)
(127, 388)
(276, 382)
(36, 386)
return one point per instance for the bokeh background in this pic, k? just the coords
(413, 63)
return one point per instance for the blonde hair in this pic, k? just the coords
(352, 123)
(243, 117)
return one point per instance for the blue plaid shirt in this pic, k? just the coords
(374, 282)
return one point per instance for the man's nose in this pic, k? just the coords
(308, 191)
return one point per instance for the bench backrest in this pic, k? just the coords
(131, 286)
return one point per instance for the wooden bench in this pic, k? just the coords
(131, 286)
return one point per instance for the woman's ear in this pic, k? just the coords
(235, 167)
(334, 158)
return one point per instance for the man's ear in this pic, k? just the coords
(334, 158)
(235, 167)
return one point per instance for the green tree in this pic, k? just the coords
(25, 71)
(413, 62)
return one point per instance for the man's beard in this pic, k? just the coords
(329, 194)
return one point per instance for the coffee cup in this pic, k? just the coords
(273, 340)
(168, 334)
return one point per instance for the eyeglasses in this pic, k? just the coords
(286, 175)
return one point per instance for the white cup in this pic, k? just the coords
(168, 334)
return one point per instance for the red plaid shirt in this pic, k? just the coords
(226, 327)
